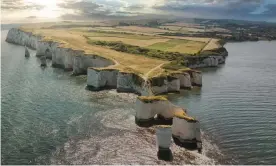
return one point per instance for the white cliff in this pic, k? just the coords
(163, 134)
(83, 61)
(209, 61)
(101, 78)
(148, 107)
(186, 132)
(45, 48)
(185, 80)
(79, 62)
(173, 84)
(65, 58)
(19, 37)
(196, 78)
(130, 82)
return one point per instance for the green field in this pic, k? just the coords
(179, 45)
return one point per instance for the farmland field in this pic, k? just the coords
(141, 29)
(131, 41)
(179, 45)
(173, 28)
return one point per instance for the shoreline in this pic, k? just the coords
(158, 85)
(101, 68)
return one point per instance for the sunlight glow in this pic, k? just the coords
(49, 8)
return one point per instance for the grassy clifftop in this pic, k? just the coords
(136, 49)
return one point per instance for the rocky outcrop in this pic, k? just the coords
(163, 142)
(185, 129)
(45, 48)
(83, 61)
(104, 78)
(17, 36)
(206, 61)
(101, 79)
(175, 82)
(185, 80)
(208, 58)
(65, 58)
(130, 82)
(196, 78)
(43, 61)
(148, 107)
(186, 132)
(27, 53)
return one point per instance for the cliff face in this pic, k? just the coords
(99, 79)
(147, 110)
(175, 82)
(19, 37)
(80, 63)
(186, 133)
(210, 61)
(212, 58)
(185, 80)
(65, 58)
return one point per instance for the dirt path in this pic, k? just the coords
(151, 70)
(206, 45)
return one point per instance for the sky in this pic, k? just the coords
(54, 10)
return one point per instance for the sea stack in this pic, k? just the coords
(186, 131)
(43, 61)
(27, 53)
(48, 53)
(147, 107)
(163, 141)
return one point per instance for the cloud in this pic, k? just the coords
(89, 9)
(233, 9)
(135, 7)
(18, 5)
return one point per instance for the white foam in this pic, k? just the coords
(128, 144)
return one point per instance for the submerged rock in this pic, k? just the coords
(27, 53)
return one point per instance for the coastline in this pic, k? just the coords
(193, 77)
(102, 69)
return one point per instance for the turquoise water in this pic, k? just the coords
(237, 103)
(47, 116)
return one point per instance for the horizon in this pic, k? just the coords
(27, 11)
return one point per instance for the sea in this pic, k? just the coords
(48, 116)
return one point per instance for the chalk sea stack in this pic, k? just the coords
(163, 141)
(186, 131)
(43, 61)
(147, 107)
(27, 53)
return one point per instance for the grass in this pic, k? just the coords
(131, 52)
(182, 115)
(133, 40)
(77, 41)
(179, 45)
(148, 99)
(141, 29)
